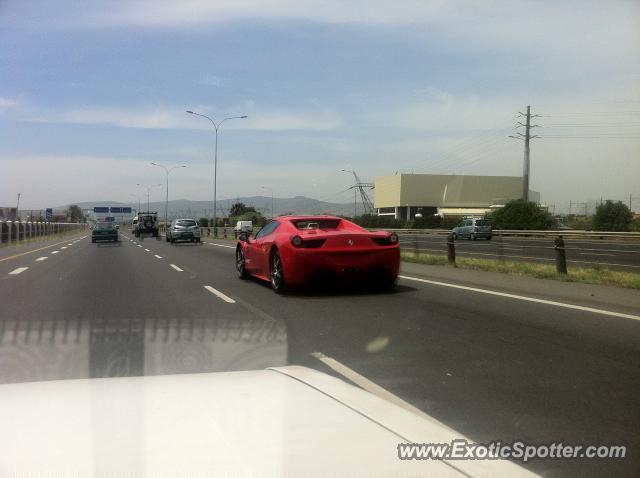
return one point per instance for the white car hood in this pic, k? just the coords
(288, 421)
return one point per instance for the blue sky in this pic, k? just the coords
(91, 92)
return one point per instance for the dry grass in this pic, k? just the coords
(597, 275)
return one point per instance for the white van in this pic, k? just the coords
(243, 226)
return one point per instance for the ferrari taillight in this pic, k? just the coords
(296, 241)
(393, 238)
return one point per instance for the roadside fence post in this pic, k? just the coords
(451, 250)
(561, 256)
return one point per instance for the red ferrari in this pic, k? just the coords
(290, 250)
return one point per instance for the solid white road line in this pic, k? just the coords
(527, 299)
(368, 385)
(176, 267)
(224, 297)
(41, 258)
(159, 257)
(18, 270)
(596, 254)
(220, 245)
(54, 252)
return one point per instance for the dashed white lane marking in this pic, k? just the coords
(139, 245)
(63, 247)
(220, 245)
(176, 267)
(159, 257)
(41, 258)
(70, 244)
(54, 252)
(18, 270)
(216, 292)
(527, 299)
(147, 250)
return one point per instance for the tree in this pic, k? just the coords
(203, 222)
(612, 216)
(239, 208)
(521, 214)
(74, 213)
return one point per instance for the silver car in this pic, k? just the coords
(473, 229)
(183, 230)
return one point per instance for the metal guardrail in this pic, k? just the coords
(526, 233)
(14, 232)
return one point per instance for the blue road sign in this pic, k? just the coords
(126, 210)
(49, 213)
(101, 209)
(116, 209)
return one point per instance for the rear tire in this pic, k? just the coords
(488, 238)
(276, 273)
(167, 238)
(472, 237)
(455, 236)
(93, 241)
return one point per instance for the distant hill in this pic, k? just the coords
(188, 208)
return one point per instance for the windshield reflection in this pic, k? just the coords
(34, 350)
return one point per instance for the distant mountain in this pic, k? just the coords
(188, 208)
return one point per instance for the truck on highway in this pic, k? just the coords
(146, 223)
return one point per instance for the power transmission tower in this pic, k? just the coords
(367, 205)
(527, 136)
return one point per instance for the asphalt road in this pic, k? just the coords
(623, 255)
(490, 366)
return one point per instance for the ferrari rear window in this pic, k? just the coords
(317, 223)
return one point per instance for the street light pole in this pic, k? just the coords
(215, 165)
(269, 189)
(148, 192)
(166, 200)
(138, 197)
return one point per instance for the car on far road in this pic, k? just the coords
(146, 223)
(290, 250)
(183, 230)
(473, 229)
(104, 231)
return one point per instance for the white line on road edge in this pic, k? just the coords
(159, 257)
(220, 245)
(54, 252)
(368, 385)
(147, 250)
(42, 258)
(224, 297)
(528, 299)
(18, 270)
(176, 267)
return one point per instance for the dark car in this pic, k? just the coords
(104, 231)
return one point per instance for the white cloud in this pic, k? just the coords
(6, 104)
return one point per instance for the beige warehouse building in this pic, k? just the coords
(405, 195)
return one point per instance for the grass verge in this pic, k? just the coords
(597, 275)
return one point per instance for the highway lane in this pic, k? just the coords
(616, 255)
(489, 367)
